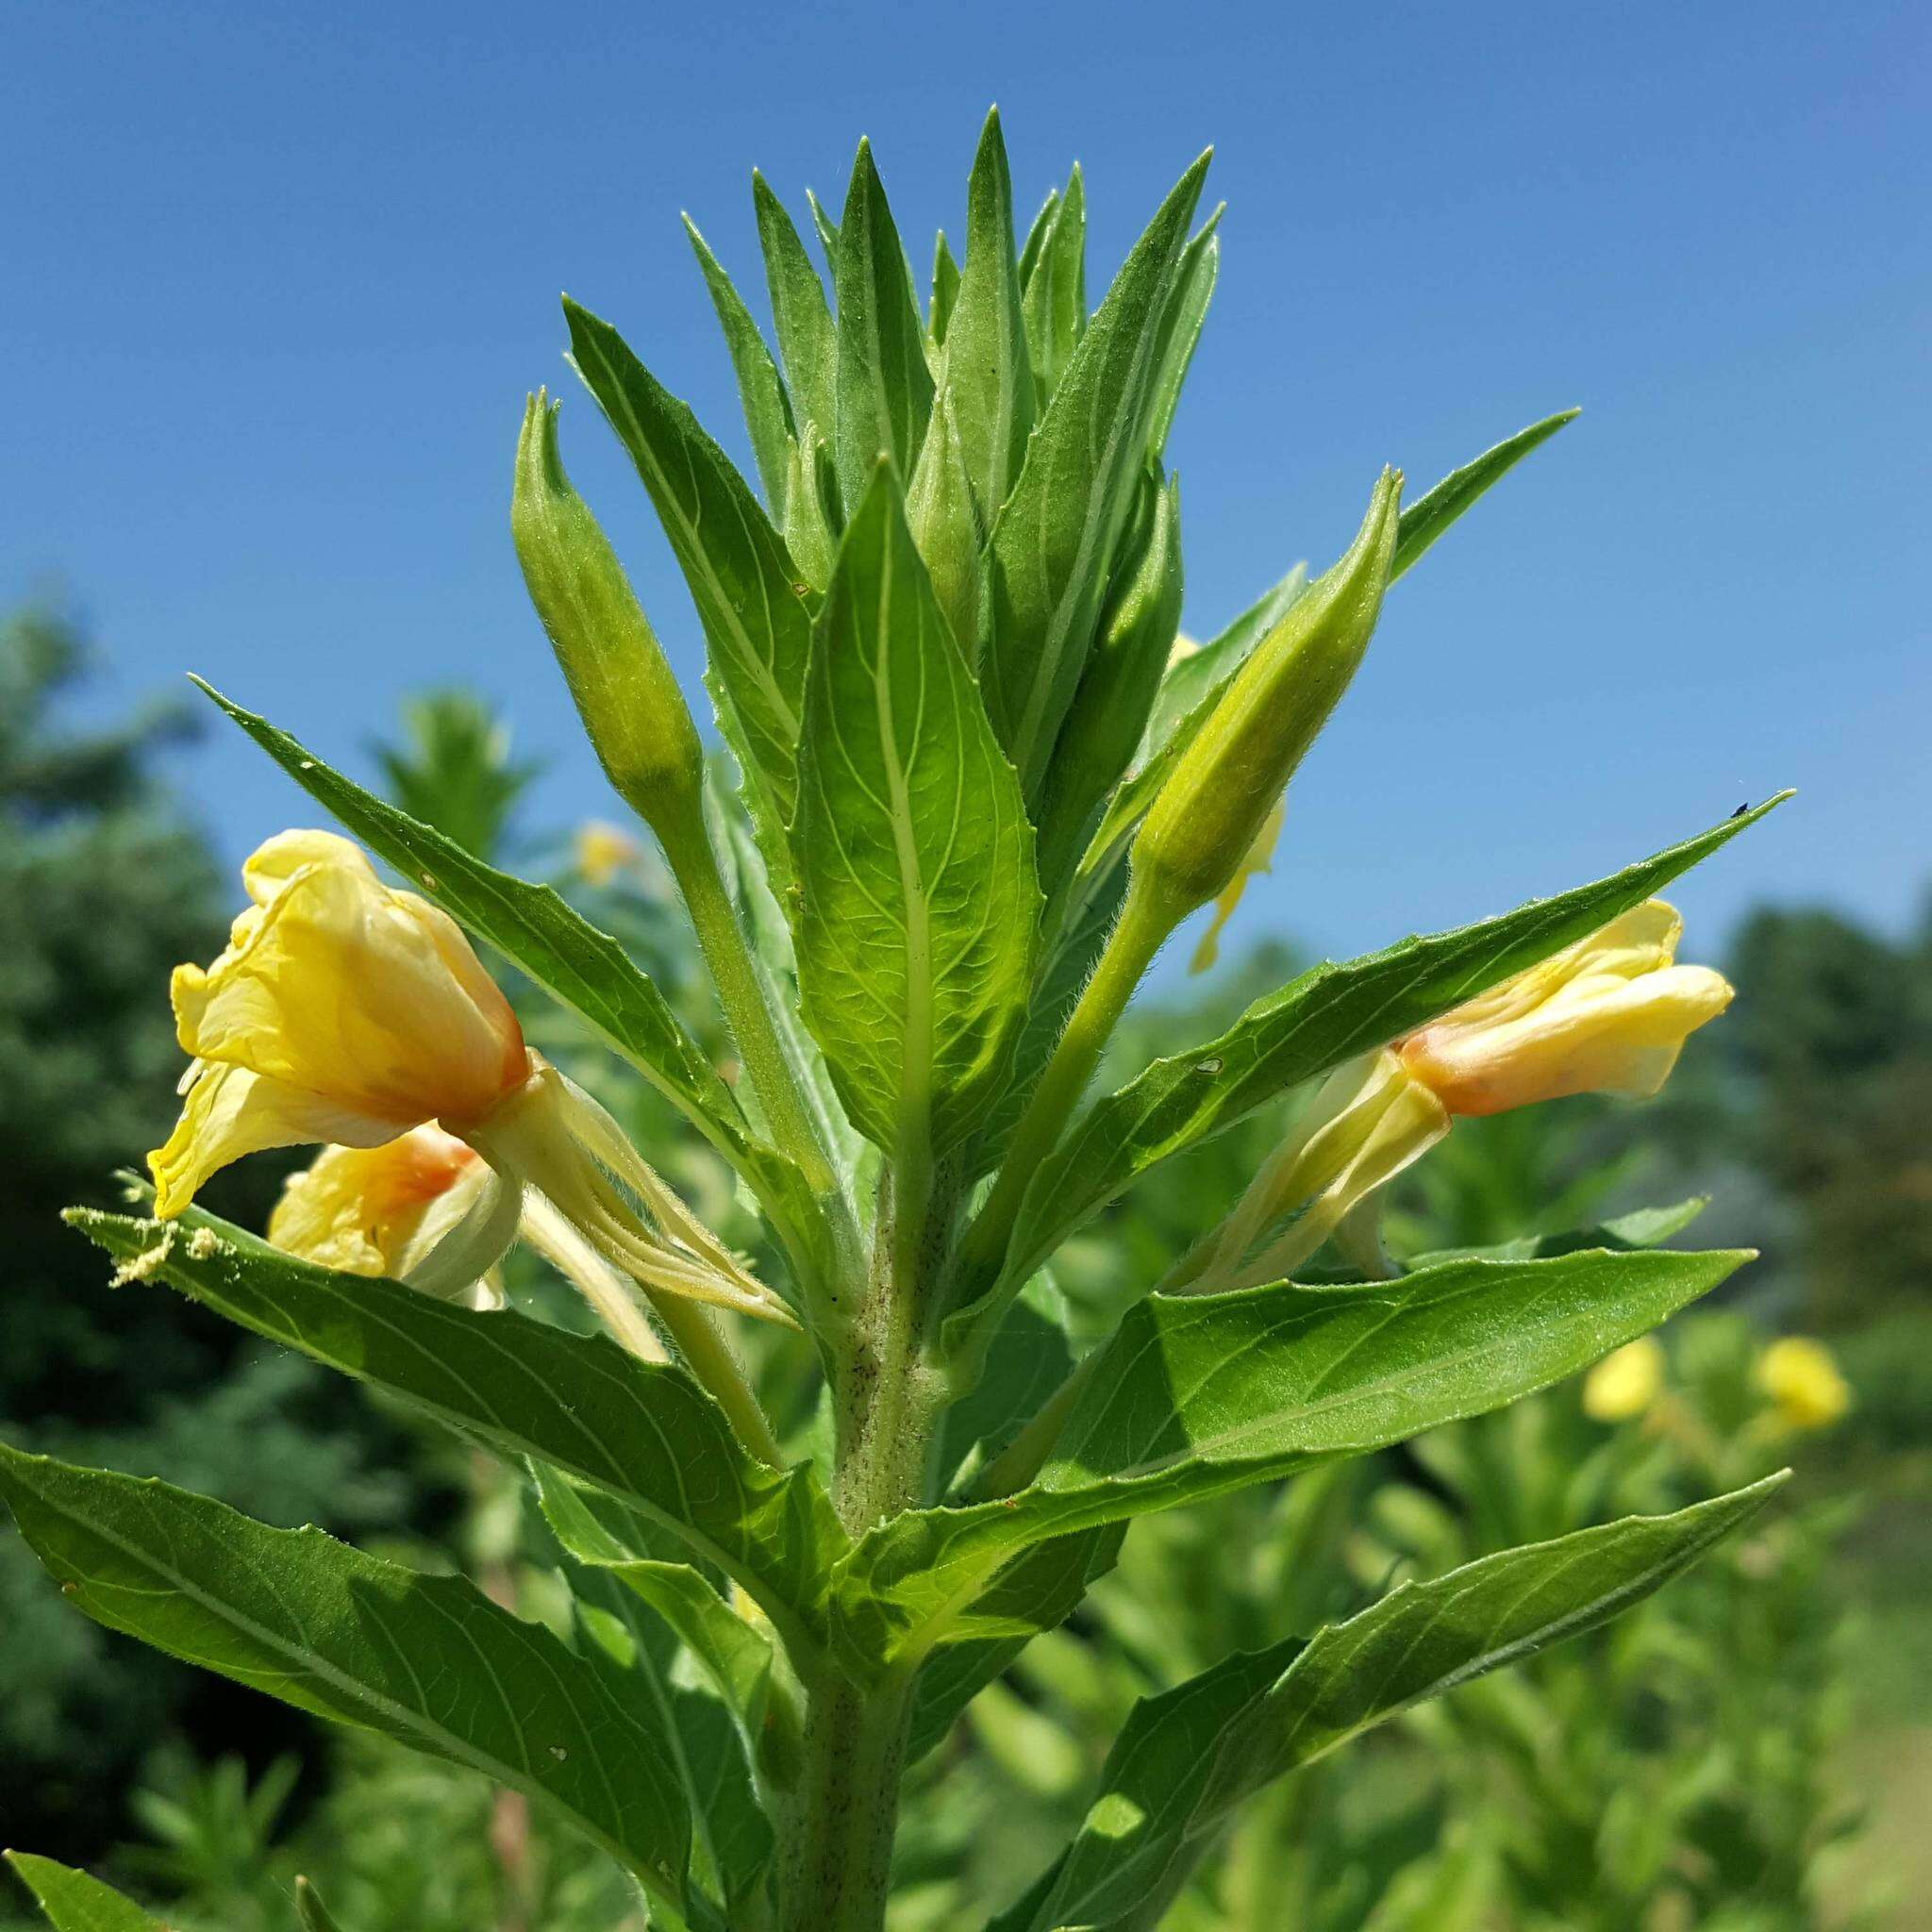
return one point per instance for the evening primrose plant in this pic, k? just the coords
(973, 790)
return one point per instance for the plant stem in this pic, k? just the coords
(839, 1851)
(688, 848)
(1138, 935)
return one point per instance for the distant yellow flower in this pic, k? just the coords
(343, 1010)
(1802, 1378)
(1625, 1382)
(1607, 1015)
(604, 850)
(390, 1210)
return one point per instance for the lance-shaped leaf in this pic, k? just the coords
(76, 1903)
(1313, 1023)
(913, 854)
(1053, 296)
(1051, 548)
(312, 1915)
(1037, 232)
(1430, 514)
(643, 1431)
(987, 372)
(885, 384)
(709, 1758)
(750, 599)
(1189, 1756)
(427, 1661)
(806, 342)
(556, 947)
(824, 226)
(945, 290)
(767, 413)
(1180, 328)
(1196, 1395)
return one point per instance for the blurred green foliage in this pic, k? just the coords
(1680, 1769)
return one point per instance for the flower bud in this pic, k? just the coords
(1204, 820)
(633, 710)
(1607, 1015)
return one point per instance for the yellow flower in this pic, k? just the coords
(388, 1210)
(342, 1012)
(604, 850)
(1607, 1015)
(1804, 1383)
(1625, 1382)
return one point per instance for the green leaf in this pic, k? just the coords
(1055, 539)
(587, 970)
(1195, 1395)
(1328, 1015)
(1189, 1756)
(643, 1431)
(427, 1661)
(1037, 232)
(913, 852)
(747, 883)
(750, 599)
(1056, 986)
(826, 229)
(1430, 514)
(1027, 1359)
(803, 323)
(946, 291)
(310, 1911)
(736, 1658)
(1037, 1592)
(76, 1903)
(767, 413)
(1053, 296)
(884, 384)
(711, 1750)
(1180, 328)
(987, 368)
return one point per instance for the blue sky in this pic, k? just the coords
(277, 278)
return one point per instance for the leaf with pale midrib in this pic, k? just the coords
(644, 1431)
(1189, 1756)
(1195, 1395)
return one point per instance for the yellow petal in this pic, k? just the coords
(338, 985)
(230, 1111)
(604, 850)
(376, 1210)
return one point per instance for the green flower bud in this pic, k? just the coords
(944, 521)
(1205, 819)
(638, 720)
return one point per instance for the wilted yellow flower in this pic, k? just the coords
(604, 850)
(1625, 1382)
(1802, 1378)
(391, 1209)
(1607, 1015)
(343, 1010)
(1365, 1124)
